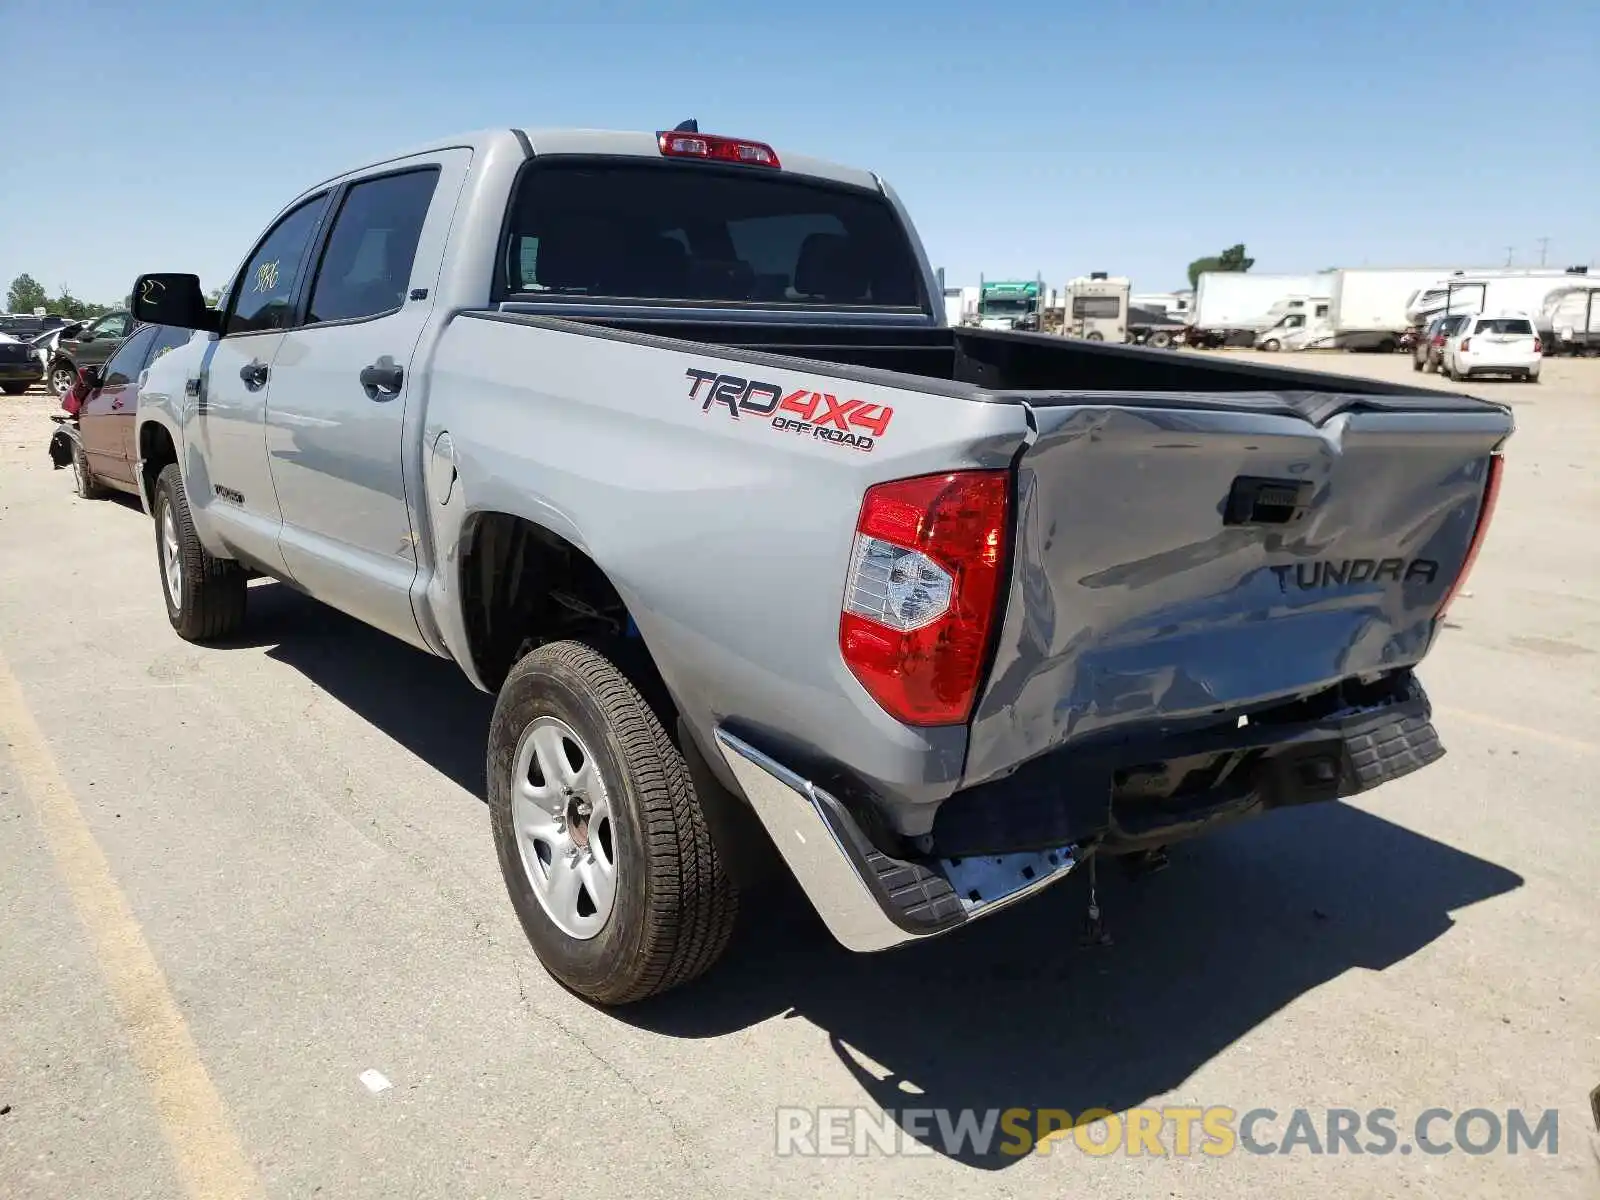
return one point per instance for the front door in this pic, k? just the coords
(104, 419)
(230, 479)
(341, 380)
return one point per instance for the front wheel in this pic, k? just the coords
(205, 595)
(1272, 345)
(603, 844)
(83, 481)
(62, 377)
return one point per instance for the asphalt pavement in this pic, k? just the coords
(236, 882)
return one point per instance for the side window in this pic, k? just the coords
(124, 366)
(166, 339)
(265, 287)
(1322, 310)
(111, 327)
(366, 268)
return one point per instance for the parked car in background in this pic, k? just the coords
(1426, 350)
(1506, 344)
(97, 439)
(87, 346)
(19, 365)
(25, 326)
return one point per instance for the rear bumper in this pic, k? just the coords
(869, 900)
(1001, 842)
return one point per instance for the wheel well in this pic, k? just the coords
(157, 452)
(522, 586)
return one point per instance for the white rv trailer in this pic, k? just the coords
(1506, 289)
(1231, 307)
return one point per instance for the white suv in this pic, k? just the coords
(1506, 344)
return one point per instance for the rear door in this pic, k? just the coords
(108, 415)
(341, 387)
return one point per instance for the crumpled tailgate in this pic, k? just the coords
(1174, 562)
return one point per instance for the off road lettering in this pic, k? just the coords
(821, 415)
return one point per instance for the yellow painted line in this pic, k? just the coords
(209, 1157)
(1527, 731)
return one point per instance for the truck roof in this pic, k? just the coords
(634, 144)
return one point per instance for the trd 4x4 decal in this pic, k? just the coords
(853, 423)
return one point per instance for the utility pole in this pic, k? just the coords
(1544, 244)
(1509, 249)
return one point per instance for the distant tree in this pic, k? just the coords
(68, 305)
(214, 297)
(25, 295)
(1231, 259)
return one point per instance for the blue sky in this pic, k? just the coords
(1052, 138)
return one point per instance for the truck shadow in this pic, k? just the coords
(1013, 1013)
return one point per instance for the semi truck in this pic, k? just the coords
(1009, 304)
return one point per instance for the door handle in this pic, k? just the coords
(254, 374)
(382, 378)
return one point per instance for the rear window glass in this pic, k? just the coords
(1504, 325)
(655, 231)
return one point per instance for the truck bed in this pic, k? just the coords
(991, 365)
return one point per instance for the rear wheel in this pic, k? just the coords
(603, 844)
(62, 377)
(83, 480)
(205, 595)
(1161, 339)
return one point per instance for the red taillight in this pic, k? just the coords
(920, 599)
(1438, 339)
(1538, 346)
(1465, 342)
(717, 149)
(1491, 494)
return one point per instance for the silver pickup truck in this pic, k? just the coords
(662, 438)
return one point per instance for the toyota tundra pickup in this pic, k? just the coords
(663, 439)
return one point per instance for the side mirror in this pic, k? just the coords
(174, 300)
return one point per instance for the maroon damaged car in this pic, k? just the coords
(95, 432)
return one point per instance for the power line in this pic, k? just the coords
(1544, 244)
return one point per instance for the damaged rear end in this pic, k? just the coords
(1193, 609)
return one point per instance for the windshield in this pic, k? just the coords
(640, 230)
(1007, 306)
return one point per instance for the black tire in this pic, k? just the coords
(1272, 345)
(1094, 336)
(13, 389)
(1417, 363)
(1161, 339)
(675, 905)
(83, 481)
(210, 600)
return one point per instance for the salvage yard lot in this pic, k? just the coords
(234, 879)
